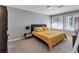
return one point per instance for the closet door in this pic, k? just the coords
(3, 29)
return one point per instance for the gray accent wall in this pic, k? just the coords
(19, 19)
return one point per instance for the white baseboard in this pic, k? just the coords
(14, 39)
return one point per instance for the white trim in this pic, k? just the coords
(14, 39)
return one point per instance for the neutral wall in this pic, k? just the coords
(18, 19)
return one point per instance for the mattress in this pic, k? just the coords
(50, 37)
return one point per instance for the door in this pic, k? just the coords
(3, 29)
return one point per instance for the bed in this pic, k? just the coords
(50, 37)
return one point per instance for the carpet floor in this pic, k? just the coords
(32, 45)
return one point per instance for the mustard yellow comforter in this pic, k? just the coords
(50, 37)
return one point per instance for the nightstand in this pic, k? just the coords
(27, 35)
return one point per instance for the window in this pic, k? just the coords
(57, 22)
(63, 23)
(69, 23)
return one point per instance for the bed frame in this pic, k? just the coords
(40, 25)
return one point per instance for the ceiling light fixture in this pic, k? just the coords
(60, 6)
(49, 7)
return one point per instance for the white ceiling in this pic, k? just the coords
(42, 9)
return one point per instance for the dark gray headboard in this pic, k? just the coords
(36, 25)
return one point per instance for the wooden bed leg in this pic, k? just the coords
(50, 48)
(66, 38)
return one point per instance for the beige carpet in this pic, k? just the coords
(33, 45)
